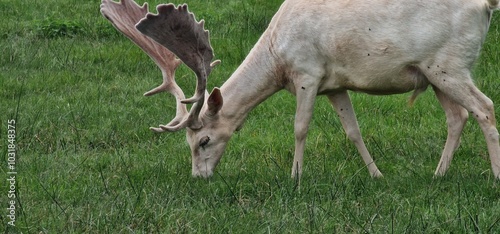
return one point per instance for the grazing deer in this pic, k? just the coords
(323, 47)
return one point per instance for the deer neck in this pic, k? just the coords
(252, 83)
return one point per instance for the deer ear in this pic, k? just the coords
(214, 101)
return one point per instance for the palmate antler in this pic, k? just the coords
(124, 16)
(178, 30)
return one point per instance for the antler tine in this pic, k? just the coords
(178, 30)
(124, 15)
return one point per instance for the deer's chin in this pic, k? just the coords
(202, 173)
(204, 169)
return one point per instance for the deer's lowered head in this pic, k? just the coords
(163, 36)
(177, 29)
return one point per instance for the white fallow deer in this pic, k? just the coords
(330, 47)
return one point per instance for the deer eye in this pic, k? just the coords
(204, 141)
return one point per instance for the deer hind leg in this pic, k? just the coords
(456, 117)
(459, 88)
(342, 105)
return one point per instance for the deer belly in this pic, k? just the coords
(376, 82)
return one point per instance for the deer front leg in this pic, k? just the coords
(342, 105)
(456, 117)
(306, 95)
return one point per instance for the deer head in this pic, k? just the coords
(176, 29)
(171, 33)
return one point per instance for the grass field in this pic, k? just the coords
(87, 162)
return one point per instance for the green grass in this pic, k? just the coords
(88, 163)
